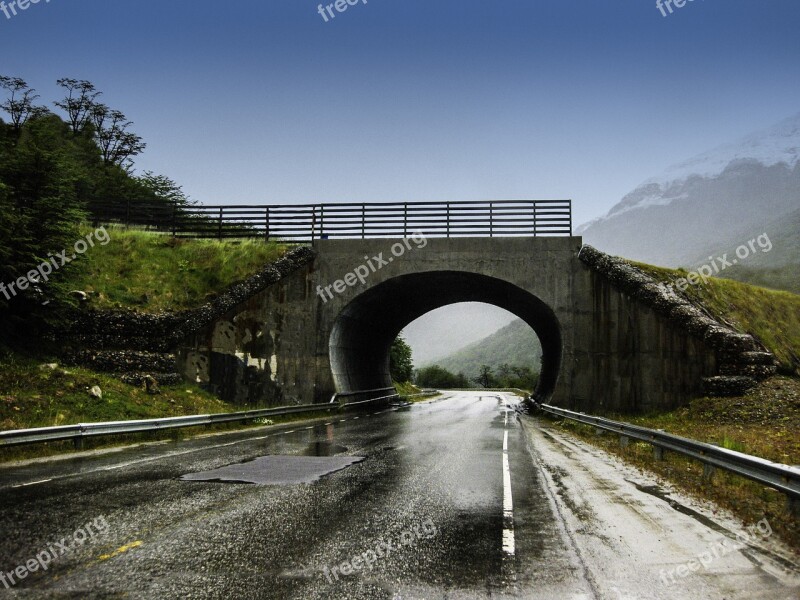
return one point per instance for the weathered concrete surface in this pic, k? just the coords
(604, 349)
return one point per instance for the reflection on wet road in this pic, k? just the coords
(453, 498)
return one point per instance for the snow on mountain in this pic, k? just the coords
(777, 144)
(769, 147)
(699, 205)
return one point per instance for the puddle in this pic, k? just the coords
(323, 448)
(277, 470)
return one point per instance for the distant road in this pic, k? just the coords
(454, 498)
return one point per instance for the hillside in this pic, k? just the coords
(515, 344)
(779, 268)
(711, 204)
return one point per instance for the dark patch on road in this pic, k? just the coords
(276, 470)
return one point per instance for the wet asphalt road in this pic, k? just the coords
(453, 499)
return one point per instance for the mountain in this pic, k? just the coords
(711, 204)
(777, 268)
(444, 330)
(515, 344)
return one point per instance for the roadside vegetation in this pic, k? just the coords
(505, 376)
(772, 317)
(763, 423)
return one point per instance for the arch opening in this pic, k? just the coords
(365, 329)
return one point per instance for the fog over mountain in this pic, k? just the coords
(448, 329)
(516, 344)
(703, 205)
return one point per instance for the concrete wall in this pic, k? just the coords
(603, 349)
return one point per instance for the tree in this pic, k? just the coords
(166, 189)
(78, 103)
(485, 376)
(401, 366)
(117, 144)
(435, 376)
(19, 104)
(45, 176)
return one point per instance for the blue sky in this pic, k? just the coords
(262, 101)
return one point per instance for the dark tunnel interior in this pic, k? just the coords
(365, 329)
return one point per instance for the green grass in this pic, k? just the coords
(35, 396)
(407, 388)
(154, 272)
(772, 317)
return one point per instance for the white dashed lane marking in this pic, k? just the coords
(509, 546)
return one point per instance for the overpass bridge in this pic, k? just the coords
(611, 338)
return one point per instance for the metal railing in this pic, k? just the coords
(366, 395)
(780, 477)
(80, 431)
(310, 222)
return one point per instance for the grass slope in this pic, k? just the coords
(152, 272)
(515, 344)
(34, 395)
(772, 317)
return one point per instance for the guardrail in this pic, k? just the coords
(309, 222)
(780, 477)
(381, 392)
(80, 431)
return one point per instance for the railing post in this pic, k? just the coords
(570, 217)
(448, 219)
(266, 224)
(405, 219)
(322, 221)
(533, 208)
(491, 219)
(219, 226)
(174, 219)
(363, 221)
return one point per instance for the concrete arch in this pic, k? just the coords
(365, 328)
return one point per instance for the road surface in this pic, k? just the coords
(451, 498)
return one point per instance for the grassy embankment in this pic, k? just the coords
(765, 422)
(152, 273)
(136, 269)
